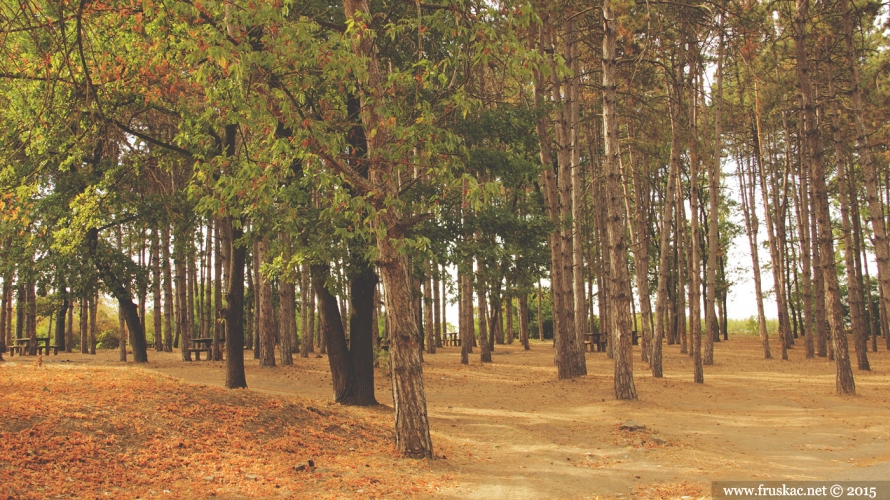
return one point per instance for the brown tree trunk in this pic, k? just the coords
(233, 312)
(61, 313)
(157, 313)
(409, 399)
(854, 285)
(428, 301)
(31, 321)
(168, 288)
(438, 321)
(219, 324)
(866, 161)
(667, 218)
(751, 226)
(267, 331)
(620, 284)
(482, 304)
(180, 265)
(508, 312)
(813, 156)
(523, 320)
(714, 173)
(305, 311)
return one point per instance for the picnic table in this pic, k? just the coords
(23, 346)
(201, 345)
(595, 340)
(451, 339)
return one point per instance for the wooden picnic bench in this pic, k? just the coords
(451, 339)
(595, 340)
(201, 345)
(23, 347)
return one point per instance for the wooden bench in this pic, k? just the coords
(198, 351)
(20, 349)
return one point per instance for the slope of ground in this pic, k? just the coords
(70, 430)
(510, 430)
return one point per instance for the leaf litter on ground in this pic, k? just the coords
(74, 431)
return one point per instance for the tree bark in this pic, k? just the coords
(714, 172)
(620, 280)
(267, 332)
(168, 288)
(813, 155)
(305, 311)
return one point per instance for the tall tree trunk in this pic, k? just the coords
(523, 320)
(122, 347)
(438, 321)
(61, 313)
(866, 161)
(362, 291)
(428, 301)
(508, 312)
(667, 218)
(233, 312)
(219, 324)
(256, 285)
(482, 304)
(641, 253)
(181, 244)
(266, 310)
(84, 323)
(714, 172)
(620, 284)
(168, 288)
(157, 313)
(813, 155)
(305, 312)
(751, 226)
(31, 321)
(287, 300)
(854, 285)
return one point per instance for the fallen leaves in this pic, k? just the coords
(130, 432)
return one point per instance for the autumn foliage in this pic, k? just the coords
(73, 431)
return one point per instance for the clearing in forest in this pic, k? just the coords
(85, 425)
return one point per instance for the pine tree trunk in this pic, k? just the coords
(266, 324)
(94, 313)
(61, 313)
(219, 324)
(508, 312)
(866, 161)
(169, 307)
(305, 312)
(409, 399)
(714, 172)
(482, 304)
(31, 321)
(180, 265)
(362, 336)
(641, 254)
(157, 313)
(813, 157)
(620, 284)
(428, 301)
(854, 285)
(667, 218)
(751, 226)
(523, 320)
(437, 305)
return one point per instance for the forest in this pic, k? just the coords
(283, 177)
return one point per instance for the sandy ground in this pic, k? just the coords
(509, 429)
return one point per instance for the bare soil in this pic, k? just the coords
(509, 429)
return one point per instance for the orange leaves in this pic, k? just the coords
(127, 432)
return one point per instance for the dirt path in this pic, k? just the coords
(510, 430)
